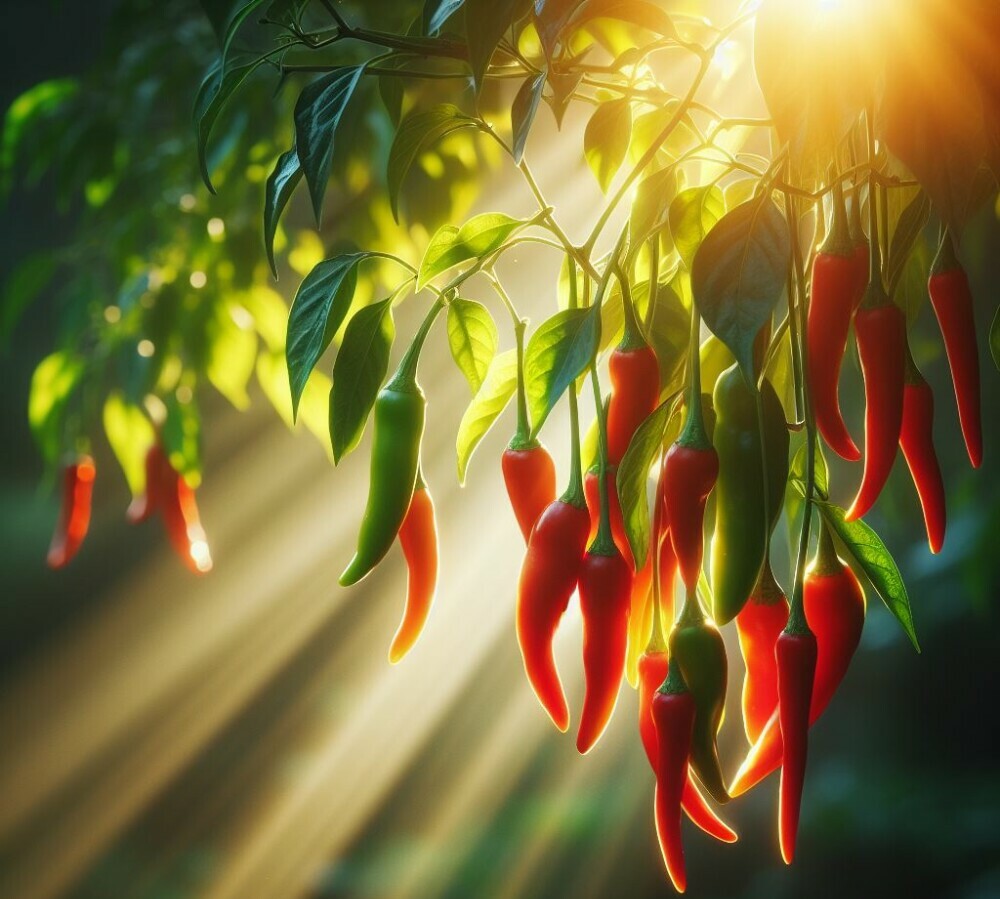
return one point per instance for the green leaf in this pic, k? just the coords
(24, 283)
(606, 140)
(633, 479)
(490, 400)
(635, 12)
(693, 213)
(821, 474)
(652, 198)
(417, 131)
(241, 14)
(738, 275)
(523, 110)
(232, 354)
(130, 435)
(323, 300)
(869, 552)
(995, 338)
(40, 101)
(281, 183)
(911, 224)
(437, 12)
(212, 96)
(910, 290)
(358, 374)
(52, 384)
(486, 22)
(557, 354)
(477, 238)
(318, 112)
(472, 336)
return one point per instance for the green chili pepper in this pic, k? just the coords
(745, 506)
(398, 430)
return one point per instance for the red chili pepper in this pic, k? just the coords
(689, 474)
(548, 578)
(834, 604)
(652, 673)
(530, 476)
(881, 335)
(150, 500)
(635, 382)
(673, 717)
(916, 439)
(759, 623)
(74, 516)
(605, 592)
(591, 488)
(952, 301)
(795, 652)
(180, 515)
(419, 541)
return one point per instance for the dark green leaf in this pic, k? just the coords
(995, 338)
(437, 12)
(24, 283)
(322, 302)
(477, 238)
(911, 224)
(557, 354)
(563, 84)
(522, 112)
(738, 275)
(635, 12)
(486, 22)
(417, 131)
(490, 400)
(606, 140)
(241, 14)
(472, 336)
(318, 111)
(633, 478)
(361, 365)
(41, 101)
(281, 184)
(693, 213)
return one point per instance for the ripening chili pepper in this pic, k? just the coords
(399, 428)
(951, 298)
(74, 515)
(419, 541)
(592, 490)
(183, 524)
(795, 653)
(696, 647)
(831, 305)
(151, 499)
(530, 476)
(548, 578)
(652, 673)
(747, 489)
(880, 328)
(759, 623)
(916, 439)
(635, 381)
(674, 717)
(834, 604)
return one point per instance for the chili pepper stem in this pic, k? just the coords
(604, 544)
(694, 433)
(657, 641)
(405, 378)
(632, 338)
(574, 494)
(522, 436)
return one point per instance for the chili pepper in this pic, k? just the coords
(419, 541)
(833, 295)
(834, 604)
(530, 476)
(592, 490)
(745, 497)
(674, 716)
(605, 590)
(74, 516)
(150, 500)
(399, 427)
(640, 619)
(183, 524)
(759, 623)
(951, 298)
(549, 576)
(880, 328)
(635, 381)
(916, 439)
(690, 470)
(652, 673)
(696, 647)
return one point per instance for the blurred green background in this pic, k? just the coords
(242, 735)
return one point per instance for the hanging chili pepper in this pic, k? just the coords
(881, 333)
(690, 470)
(835, 606)
(833, 296)
(795, 652)
(674, 716)
(74, 515)
(916, 439)
(759, 623)
(183, 524)
(951, 298)
(150, 500)
(399, 428)
(635, 381)
(419, 541)
(696, 647)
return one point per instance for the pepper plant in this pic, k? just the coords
(704, 309)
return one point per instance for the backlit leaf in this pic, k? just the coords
(692, 214)
(52, 384)
(522, 112)
(281, 183)
(490, 400)
(606, 139)
(130, 435)
(477, 238)
(472, 336)
(486, 22)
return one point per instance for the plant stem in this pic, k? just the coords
(574, 494)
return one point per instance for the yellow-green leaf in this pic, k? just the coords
(490, 400)
(472, 336)
(606, 139)
(130, 435)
